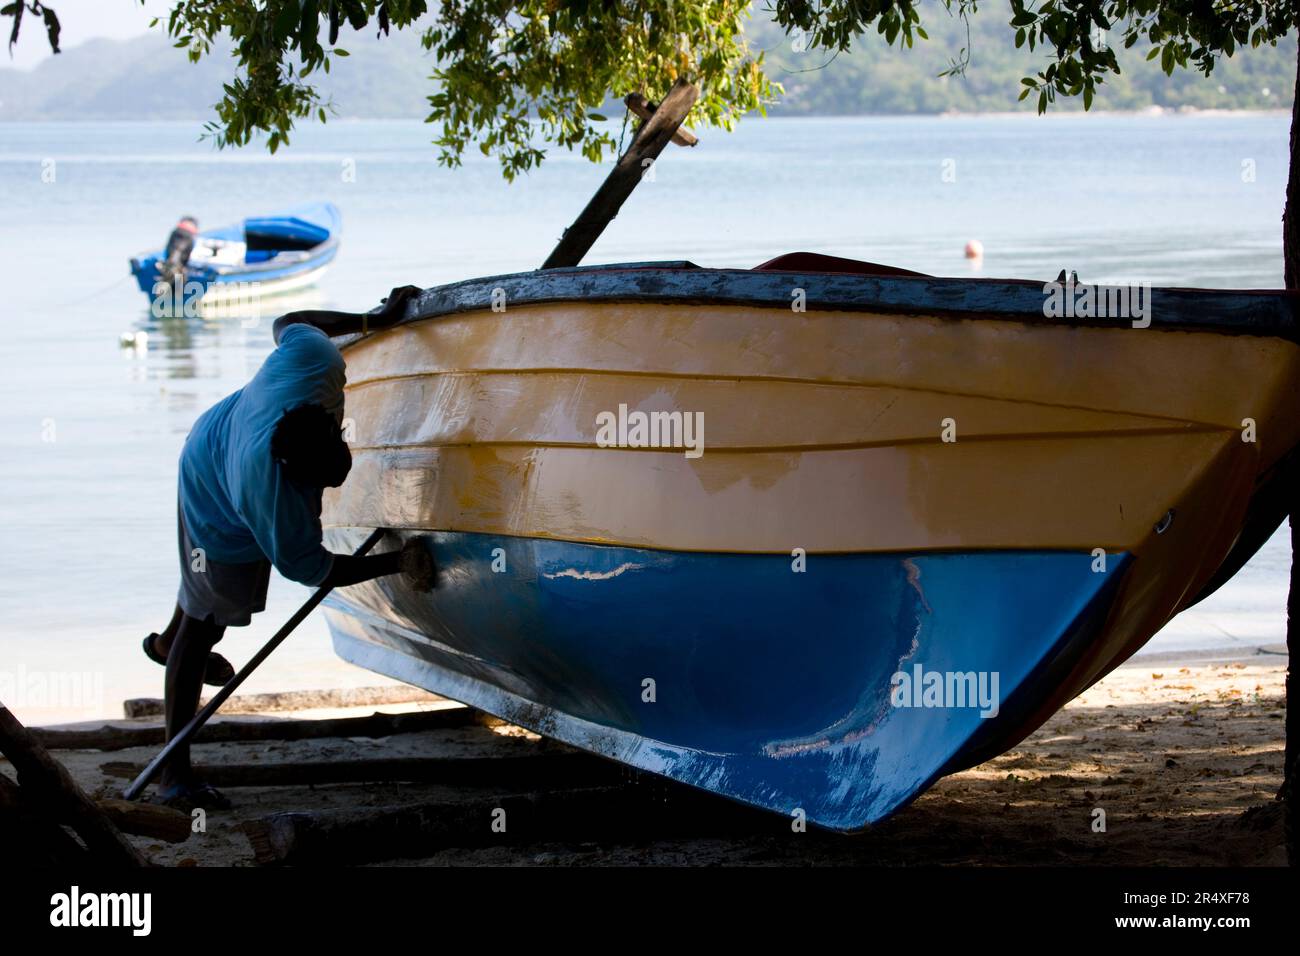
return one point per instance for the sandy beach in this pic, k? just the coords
(1182, 760)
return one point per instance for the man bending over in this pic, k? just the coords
(251, 476)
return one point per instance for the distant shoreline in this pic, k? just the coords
(1153, 112)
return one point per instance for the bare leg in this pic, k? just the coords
(186, 662)
(218, 671)
(164, 642)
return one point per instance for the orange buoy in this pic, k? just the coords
(974, 249)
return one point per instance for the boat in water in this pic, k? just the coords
(261, 256)
(810, 535)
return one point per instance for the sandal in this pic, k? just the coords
(218, 671)
(189, 797)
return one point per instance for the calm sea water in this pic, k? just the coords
(90, 431)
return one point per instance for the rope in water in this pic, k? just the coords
(98, 292)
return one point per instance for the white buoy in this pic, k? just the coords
(974, 249)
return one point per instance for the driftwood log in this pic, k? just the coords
(42, 778)
(295, 700)
(147, 819)
(626, 814)
(539, 770)
(109, 737)
(644, 149)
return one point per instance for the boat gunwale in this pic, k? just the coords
(1263, 313)
(230, 272)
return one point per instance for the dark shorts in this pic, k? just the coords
(228, 594)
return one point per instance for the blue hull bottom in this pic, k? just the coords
(842, 690)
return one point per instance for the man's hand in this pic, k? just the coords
(414, 561)
(417, 564)
(395, 305)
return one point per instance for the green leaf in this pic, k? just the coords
(286, 18)
(52, 28)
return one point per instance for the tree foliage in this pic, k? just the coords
(514, 77)
(31, 8)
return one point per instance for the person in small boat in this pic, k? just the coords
(180, 245)
(251, 477)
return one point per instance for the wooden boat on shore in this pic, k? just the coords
(926, 512)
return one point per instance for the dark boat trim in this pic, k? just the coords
(1234, 312)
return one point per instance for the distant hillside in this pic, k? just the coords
(877, 79)
(149, 79)
(146, 78)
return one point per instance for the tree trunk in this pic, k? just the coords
(1291, 259)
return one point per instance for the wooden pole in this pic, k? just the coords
(643, 109)
(182, 738)
(49, 779)
(646, 146)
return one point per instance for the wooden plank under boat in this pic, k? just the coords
(752, 620)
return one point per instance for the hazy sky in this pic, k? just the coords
(81, 20)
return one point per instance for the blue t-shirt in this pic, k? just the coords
(237, 503)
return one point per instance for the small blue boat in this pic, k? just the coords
(263, 255)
